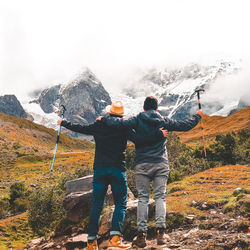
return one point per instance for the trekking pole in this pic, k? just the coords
(58, 137)
(202, 128)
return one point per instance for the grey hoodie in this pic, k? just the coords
(144, 123)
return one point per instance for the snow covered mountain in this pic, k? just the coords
(85, 96)
(175, 90)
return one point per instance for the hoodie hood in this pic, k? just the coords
(151, 117)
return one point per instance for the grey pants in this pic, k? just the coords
(144, 174)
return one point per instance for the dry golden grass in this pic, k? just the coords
(15, 232)
(26, 153)
(23, 135)
(32, 145)
(38, 172)
(213, 185)
(214, 125)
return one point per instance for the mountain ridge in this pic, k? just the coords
(85, 97)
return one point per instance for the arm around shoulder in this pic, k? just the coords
(117, 122)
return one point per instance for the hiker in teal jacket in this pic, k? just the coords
(151, 163)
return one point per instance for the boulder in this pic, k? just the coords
(77, 202)
(82, 184)
(77, 205)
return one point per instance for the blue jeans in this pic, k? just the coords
(102, 178)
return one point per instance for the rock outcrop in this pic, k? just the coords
(77, 202)
(10, 105)
(84, 98)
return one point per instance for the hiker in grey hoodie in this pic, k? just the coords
(151, 163)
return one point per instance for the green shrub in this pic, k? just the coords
(82, 171)
(17, 190)
(131, 182)
(175, 175)
(175, 189)
(63, 179)
(242, 150)
(230, 148)
(16, 145)
(130, 157)
(174, 220)
(20, 205)
(4, 207)
(45, 209)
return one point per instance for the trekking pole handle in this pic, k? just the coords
(63, 110)
(198, 96)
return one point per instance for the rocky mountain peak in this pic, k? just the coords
(86, 75)
(84, 97)
(10, 105)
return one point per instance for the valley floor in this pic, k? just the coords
(209, 210)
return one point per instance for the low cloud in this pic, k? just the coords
(42, 46)
(230, 88)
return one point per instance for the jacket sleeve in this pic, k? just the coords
(88, 129)
(119, 123)
(184, 125)
(148, 138)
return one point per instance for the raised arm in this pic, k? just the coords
(184, 125)
(88, 129)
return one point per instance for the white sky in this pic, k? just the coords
(45, 42)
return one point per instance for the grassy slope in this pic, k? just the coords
(213, 185)
(15, 232)
(26, 151)
(26, 154)
(214, 125)
(34, 138)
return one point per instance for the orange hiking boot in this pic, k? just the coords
(116, 242)
(92, 245)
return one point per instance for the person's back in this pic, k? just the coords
(109, 169)
(151, 163)
(150, 152)
(110, 146)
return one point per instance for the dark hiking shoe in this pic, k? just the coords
(140, 240)
(162, 238)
